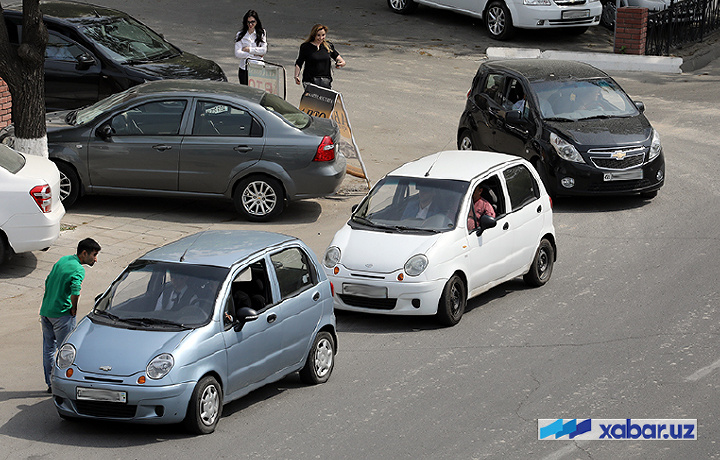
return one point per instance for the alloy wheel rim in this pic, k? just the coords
(259, 198)
(465, 143)
(209, 405)
(65, 187)
(323, 358)
(398, 4)
(543, 263)
(496, 20)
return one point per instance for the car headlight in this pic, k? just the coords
(416, 265)
(536, 2)
(564, 149)
(655, 146)
(65, 357)
(332, 257)
(160, 366)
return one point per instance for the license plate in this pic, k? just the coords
(635, 174)
(576, 14)
(365, 290)
(97, 394)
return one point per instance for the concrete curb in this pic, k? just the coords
(603, 61)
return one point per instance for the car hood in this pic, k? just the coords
(126, 351)
(56, 120)
(378, 251)
(183, 66)
(608, 132)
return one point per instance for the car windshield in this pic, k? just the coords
(89, 113)
(286, 111)
(154, 295)
(571, 100)
(401, 204)
(126, 40)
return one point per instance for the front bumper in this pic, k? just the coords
(145, 404)
(552, 16)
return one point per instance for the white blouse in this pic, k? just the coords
(256, 52)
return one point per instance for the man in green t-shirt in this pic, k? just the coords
(59, 305)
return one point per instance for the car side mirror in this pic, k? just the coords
(640, 106)
(485, 223)
(84, 62)
(242, 316)
(513, 116)
(354, 207)
(105, 132)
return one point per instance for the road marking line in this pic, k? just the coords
(703, 372)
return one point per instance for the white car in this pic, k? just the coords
(400, 255)
(501, 17)
(30, 207)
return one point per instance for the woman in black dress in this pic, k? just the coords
(316, 54)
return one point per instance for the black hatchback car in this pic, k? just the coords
(573, 122)
(94, 51)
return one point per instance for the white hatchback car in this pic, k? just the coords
(416, 245)
(30, 207)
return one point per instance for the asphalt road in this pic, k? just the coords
(626, 328)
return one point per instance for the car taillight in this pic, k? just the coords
(326, 150)
(551, 204)
(42, 196)
(468, 94)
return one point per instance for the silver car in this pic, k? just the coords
(195, 324)
(188, 138)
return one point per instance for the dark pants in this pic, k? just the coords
(243, 76)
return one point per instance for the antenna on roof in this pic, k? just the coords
(182, 257)
(427, 173)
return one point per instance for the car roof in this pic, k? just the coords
(547, 69)
(72, 11)
(199, 86)
(219, 248)
(454, 164)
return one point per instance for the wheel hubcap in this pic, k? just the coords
(323, 358)
(259, 198)
(398, 4)
(455, 299)
(465, 143)
(65, 187)
(543, 263)
(496, 20)
(209, 405)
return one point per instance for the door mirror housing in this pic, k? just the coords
(84, 62)
(105, 131)
(242, 316)
(513, 116)
(640, 106)
(485, 223)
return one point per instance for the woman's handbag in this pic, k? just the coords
(323, 82)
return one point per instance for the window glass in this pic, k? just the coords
(521, 185)
(250, 287)
(127, 40)
(293, 271)
(61, 49)
(515, 97)
(493, 88)
(285, 110)
(217, 119)
(582, 99)
(161, 118)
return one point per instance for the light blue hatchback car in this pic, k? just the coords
(195, 324)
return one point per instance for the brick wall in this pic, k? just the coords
(5, 104)
(631, 30)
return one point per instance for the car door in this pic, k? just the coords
(72, 74)
(301, 302)
(487, 113)
(143, 150)
(224, 140)
(525, 216)
(489, 250)
(512, 136)
(254, 352)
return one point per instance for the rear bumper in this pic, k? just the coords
(34, 231)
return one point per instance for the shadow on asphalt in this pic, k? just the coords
(593, 204)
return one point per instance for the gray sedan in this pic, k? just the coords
(197, 139)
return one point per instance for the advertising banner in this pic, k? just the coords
(266, 76)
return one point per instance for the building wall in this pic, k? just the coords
(5, 104)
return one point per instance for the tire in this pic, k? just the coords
(259, 198)
(498, 21)
(5, 250)
(465, 140)
(402, 6)
(649, 195)
(69, 184)
(542, 265)
(452, 302)
(205, 407)
(545, 178)
(320, 361)
(607, 17)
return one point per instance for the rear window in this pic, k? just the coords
(10, 159)
(286, 111)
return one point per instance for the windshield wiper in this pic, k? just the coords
(402, 228)
(599, 117)
(107, 315)
(364, 220)
(560, 119)
(148, 321)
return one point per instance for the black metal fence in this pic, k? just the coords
(682, 23)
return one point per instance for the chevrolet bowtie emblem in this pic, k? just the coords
(106, 368)
(618, 155)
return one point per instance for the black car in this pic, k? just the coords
(574, 123)
(94, 51)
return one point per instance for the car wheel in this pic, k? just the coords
(498, 21)
(320, 360)
(544, 177)
(542, 265)
(402, 6)
(607, 18)
(205, 406)
(259, 198)
(4, 250)
(452, 302)
(69, 184)
(465, 141)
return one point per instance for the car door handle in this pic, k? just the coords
(539, 209)
(316, 296)
(271, 318)
(162, 147)
(506, 226)
(242, 148)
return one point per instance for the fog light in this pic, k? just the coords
(415, 303)
(541, 22)
(660, 175)
(159, 411)
(567, 182)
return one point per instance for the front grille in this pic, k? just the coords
(105, 409)
(569, 2)
(368, 302)
(106, 380)
(630, 161)
(619, 186)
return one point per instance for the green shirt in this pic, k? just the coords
(65, 279)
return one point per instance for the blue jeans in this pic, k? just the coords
(54, 330)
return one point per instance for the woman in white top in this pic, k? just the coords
(250, 42)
